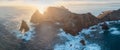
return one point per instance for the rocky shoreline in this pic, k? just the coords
(71, 22)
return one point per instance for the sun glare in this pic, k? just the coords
(41, 9)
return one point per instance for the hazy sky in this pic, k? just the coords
(55, 2)
(42, 4)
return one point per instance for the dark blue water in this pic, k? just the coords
(108, 39)
(112, 40)
(98, 39)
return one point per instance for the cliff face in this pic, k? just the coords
(77, 22)
(48, 24)
(36, 17)
(70, 22)
(110, 15)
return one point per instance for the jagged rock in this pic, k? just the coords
(79, 21)
(110, 15)
(36, 17)
(24, 27)
(70, 22)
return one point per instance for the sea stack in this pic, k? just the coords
(24, 27)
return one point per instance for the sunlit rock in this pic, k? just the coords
(36, 17)
(110, 15)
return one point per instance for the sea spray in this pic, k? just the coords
(73, 43)
(27, 35)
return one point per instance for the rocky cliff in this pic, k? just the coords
(36, 17)
(110, 15)
(72, 23)
(48, 24)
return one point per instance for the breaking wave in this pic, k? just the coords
(27, 35)
(92, 38)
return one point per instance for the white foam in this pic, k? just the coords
(27, 35)
(92, 47)
(86, 31)
(114, 31)
(73, 43)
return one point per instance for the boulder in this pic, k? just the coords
(83, 42)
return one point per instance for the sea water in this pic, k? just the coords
(98, 39)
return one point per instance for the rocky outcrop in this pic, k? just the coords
(48, 24)
(71, 22)
(110, 15)
(24, 27)
(36, 17)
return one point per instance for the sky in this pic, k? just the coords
(56, 2)
(46, 3)
(60, 1)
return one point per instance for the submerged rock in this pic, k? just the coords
(105, 26)
(82, 42)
